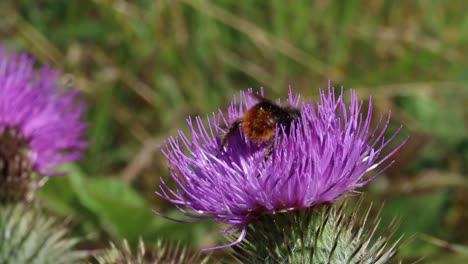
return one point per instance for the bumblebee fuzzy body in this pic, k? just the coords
(259, 123)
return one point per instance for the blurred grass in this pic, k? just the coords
(146, 65)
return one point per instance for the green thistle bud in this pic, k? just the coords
(28, 236)
(161, 253)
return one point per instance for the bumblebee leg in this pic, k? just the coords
(269, 148)
(234, 126)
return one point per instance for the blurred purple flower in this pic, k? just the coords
(325, 157)
(39, 113)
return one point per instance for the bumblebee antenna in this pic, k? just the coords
(260, 98)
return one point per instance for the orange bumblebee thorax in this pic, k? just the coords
(259, 124)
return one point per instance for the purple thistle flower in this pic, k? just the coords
(325, 156)
(40, 122)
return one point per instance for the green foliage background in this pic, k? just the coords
(146, 65)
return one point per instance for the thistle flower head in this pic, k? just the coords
(40, 122)
(325, 155)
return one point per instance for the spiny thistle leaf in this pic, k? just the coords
(320, 235)
(28, 236)
(161, 253)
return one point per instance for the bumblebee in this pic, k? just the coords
(259, 123)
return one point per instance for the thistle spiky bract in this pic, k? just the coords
(28, 236)
(160, 253)
(316, 235)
